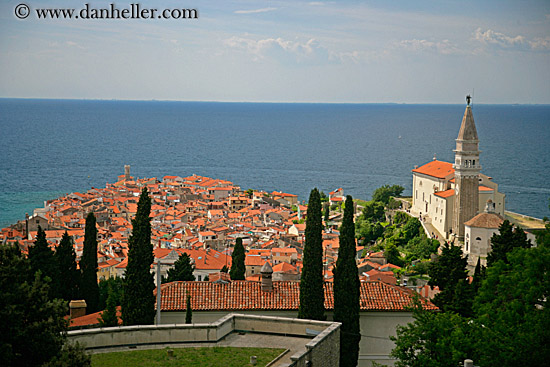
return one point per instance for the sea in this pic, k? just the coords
(52, 147)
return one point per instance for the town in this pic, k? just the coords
(434, 251)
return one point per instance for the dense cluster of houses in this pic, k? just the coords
(197, 215)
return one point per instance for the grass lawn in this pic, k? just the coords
(189, 357)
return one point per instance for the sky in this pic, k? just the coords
(397, 51)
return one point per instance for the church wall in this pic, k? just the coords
(477, 244)
(442, 214)
(423, 188)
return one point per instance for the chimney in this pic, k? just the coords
(267, 282)
(77, 308)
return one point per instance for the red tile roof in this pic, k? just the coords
(245, 295)
(445, 194)
(436, 169)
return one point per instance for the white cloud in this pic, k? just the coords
(273, 47)
(74, 44)
(490, 37)
(444, 47)
(254, 11)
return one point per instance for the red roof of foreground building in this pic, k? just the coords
(436, 169)
(245, 295)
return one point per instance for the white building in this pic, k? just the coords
(450, 194)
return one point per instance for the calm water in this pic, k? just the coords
(50, 147)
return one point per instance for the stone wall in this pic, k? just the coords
(322, 350)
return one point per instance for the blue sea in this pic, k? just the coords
(52, 147)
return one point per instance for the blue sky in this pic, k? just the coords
(285, 51)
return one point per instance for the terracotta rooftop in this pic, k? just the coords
(436, 169)
(485, 220)
(245, 295)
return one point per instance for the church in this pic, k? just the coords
(450, 194)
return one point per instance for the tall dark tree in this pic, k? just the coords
(32, 324)
(188, 311)
(68, 273)
(447, 272)
(182, 270)
(312, 293)
(138, 300)
(88, 265)
(238, 268)
(505, 241)
(42, 259)
(346, 290)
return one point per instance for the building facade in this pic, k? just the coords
(450, 194)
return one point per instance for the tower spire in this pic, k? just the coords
(467, 169)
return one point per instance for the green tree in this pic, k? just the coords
(42, 259)
(421, 247)
(392, 254)
(182, 270)
(33, 327)
(65, 257)
(188, 311)
(446, 272)
(368, 231)
(346, 290)
(433, 339)
(88, 265)
(312, 293)
(373, 211)
(238, 268)
(384, 193)
(106, 287)
(138, 300)
(505, 241)
(513, 315)
(109, 317)
(327, 213)
(411, 229)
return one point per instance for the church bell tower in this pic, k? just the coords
(467, 170)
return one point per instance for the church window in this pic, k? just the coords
(474, 162)
(466, 246)
(478, 238)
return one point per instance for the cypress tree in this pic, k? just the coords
(138, 300)
(88, 266)
(505, 241)
(238, 268)
(65, 257)
(447, 272)
(42, 259)
(188, 311)
(312, 293)
(346, 290)
(182, 271)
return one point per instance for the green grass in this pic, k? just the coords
(189, 357)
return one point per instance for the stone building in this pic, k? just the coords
(478, 232)
(450, 194)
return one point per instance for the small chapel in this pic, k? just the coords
(450, 194)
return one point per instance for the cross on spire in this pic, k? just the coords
(468, 99)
